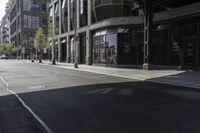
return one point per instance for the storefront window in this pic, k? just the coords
(99, 50)
(72, 50)
(125, 49)
(160, 44)
(106, 43)
(175, 46)
(111, 49)
(190, 45)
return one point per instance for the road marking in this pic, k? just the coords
(27, 107)
(107, 90)
(95, 91)
(13, 61)
(103, 91)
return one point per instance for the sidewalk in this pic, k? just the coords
(173, 77)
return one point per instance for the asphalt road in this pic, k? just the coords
(71, 101)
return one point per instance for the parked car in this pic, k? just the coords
(18, 57)
(3, 57)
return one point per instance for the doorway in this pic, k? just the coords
(190, 52)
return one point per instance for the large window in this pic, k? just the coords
(99, 50)
(28, 39)
(72, 14)
(176, 45)
(115, 47)
(34, 5)
(111, 49)
(56, 11)
(83, 12)
(160, 45)
(31, 22)
(27, 5)
(64, 16)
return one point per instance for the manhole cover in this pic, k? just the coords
(36, 87)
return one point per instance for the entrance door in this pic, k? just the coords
(83, 49)
(190, 54)
(64, 53)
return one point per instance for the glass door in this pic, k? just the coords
(190, 52)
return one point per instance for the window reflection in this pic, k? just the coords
(111, 49)
(34, 5)
(64, 14)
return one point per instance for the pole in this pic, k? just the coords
(147, 35)
(75, 30)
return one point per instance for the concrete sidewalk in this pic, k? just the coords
(173, 77)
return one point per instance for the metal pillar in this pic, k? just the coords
(76, 35)
(148, 20)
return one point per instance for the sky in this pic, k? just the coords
(2, 8)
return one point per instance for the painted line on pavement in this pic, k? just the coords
(27, 107)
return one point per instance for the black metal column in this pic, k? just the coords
(148, 20)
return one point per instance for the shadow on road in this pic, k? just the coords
(127, 107)
(186, 78)
(15, 119)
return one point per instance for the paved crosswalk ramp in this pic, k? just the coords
(13, 61)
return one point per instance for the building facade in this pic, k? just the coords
(5, 23)
(26, 16)
(112, 32)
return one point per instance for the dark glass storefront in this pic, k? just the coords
(173, 45)
(113, 47)
(184, 45)
(63, 50)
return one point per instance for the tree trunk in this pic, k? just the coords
(53, 56)
(40, 57)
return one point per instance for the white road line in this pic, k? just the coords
(14, 61)
(95, 91)
(27, 107)
(107, 90)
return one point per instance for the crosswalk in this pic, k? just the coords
(13, 61)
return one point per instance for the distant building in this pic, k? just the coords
(5, 23)
(26, 16)
(112, 34)
(0, 33)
